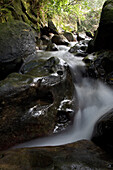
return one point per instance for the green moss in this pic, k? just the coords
(41, 67)
(6, 15)
(15, 80)
(17, 10)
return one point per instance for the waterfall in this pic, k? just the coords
(95, 99)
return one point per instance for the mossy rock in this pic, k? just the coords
(41, 67)
(29, 102)
(19, 40)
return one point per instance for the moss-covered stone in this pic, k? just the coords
(41, 67)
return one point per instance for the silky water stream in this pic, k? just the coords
(95, 99)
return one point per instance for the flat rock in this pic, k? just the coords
(79, 155)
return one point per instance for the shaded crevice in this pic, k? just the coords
(45, 96)
(9, 67)
(63, 121)
(63, 117)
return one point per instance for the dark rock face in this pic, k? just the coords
(103, 132)
(100, 65)
(80, 155)
(17, 41)
(52, 27)
(45, 31)
(30, 102)
(104, 35)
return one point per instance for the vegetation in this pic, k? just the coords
(67, 14)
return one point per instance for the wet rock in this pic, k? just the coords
(100, 65)
(69, 36)
(52, 47)
(104, 35)
(29, 102)
(103, 131)
(40, 67)
(17, 41)
(80, 155)
(59, 40)
(80, 49)
(65, 115)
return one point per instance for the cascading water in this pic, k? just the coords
(95, 99)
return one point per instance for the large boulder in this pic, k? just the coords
(17, 41)
(32, 102)
(82, 155)
(103, 132)
(104, 35)
(59, 40)
(47, 30)
(69, 36)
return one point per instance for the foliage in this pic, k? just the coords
(73, 14)
(67, 14)
(91, 12)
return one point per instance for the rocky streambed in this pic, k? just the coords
(39, 97)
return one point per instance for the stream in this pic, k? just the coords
(95, 99)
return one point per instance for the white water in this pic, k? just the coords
(95, 99)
